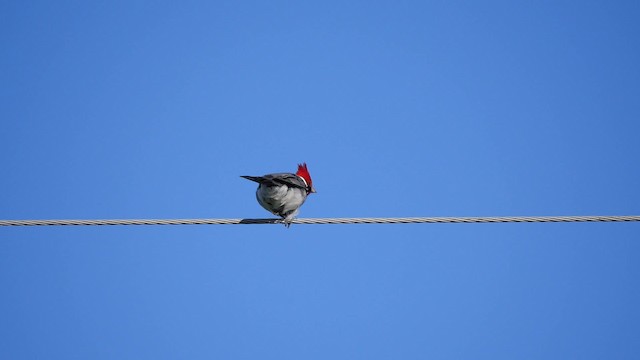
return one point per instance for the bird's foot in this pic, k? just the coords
(286, 222)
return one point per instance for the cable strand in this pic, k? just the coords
(324, 221)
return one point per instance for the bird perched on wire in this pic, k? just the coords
(282, 194)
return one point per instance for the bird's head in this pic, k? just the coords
(304, 173)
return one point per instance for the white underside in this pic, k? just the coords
(281, 200)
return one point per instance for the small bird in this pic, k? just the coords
(282, 194)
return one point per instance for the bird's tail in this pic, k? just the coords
(257, 179)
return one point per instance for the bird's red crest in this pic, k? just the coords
(304, 173)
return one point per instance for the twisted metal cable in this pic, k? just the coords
(410, 220)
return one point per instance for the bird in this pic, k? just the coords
(283, 194)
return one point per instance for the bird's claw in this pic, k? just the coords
(287, 223)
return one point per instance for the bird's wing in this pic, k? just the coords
(291, 180)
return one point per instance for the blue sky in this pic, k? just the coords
(134, 109)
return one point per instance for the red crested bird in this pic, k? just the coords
(282, 194)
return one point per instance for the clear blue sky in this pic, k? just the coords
(134, 109)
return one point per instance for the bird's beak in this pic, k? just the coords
(313, 190)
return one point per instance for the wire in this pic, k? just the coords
(411, 220)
